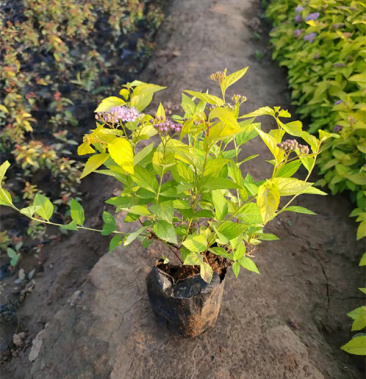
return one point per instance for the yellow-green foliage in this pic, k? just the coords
(323, 46)
(55, 56)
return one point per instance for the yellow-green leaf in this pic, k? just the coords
(85, 148)
(361, 230)
(109, 103)
(363, 260)
(290, 186)
(77, 212)
(260, 112)
(222, 130)
(93, 163)
(3, 169)
(44, 206)
(211, 99)
(196, 243)
(206, 272)
(271, 143)
(232, 78)
(356, 346)
(121, 152)
(268, 200)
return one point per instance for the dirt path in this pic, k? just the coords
(309, 277)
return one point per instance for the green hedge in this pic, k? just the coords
(323, 46)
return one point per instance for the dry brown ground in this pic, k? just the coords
(309, 277)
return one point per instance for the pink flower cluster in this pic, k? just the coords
(166, 125)
(120, 113)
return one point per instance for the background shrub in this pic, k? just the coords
(323, 46)
(57, 60)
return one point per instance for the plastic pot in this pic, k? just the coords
(190, 306)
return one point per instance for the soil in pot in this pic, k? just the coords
(180, 296)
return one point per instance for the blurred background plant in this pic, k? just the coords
(323, 46)
(58, 59)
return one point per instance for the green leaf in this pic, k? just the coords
(142, 154)
(143, 95)
(3, 169)
(290, 186)
(188, 105)
(132, 236)
(311, 140)
(314, 191)
(140, 210)
(193, 259)
(359, 178)
(161, 112)
(165, 231)
(109, 224)
(361, 230)
(260, 112)
(77, 212)
(71, 226)
(363, 290)
(356, 346)
(109, 103)
(267, 237)
(239, 252)
(236, 268)
(307, 162)
(203, 213)
(220, 204)
(231, 229)
(11, 253)
(14, 256)
(121, 152)
(232, 78)
(145, 179)
(211, 99)
(206, 272)
(298, 209)
(250, 215)
(288, 169)
(45, 209)
(115, 242)
(222, 130)
(248, 131)
(214, 166)
(220, 252)
(121, 201)
(363, 260)
(271, 143)
(248, 264)
(181, 204)
(268, 200)
(359, 317)
(184, 252)
(196, 243)
(5, 198)
(293, 128)
(210, 184)
(29, 211)
(93, 163)
(164, 211)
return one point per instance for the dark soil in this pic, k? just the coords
(218, 264)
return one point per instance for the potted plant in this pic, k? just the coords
(186, 189)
